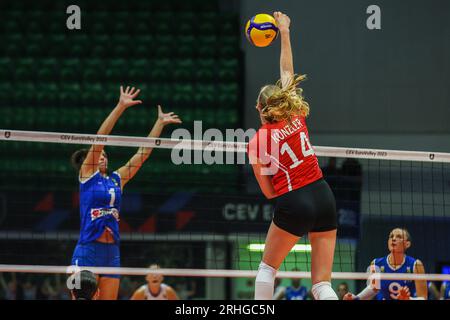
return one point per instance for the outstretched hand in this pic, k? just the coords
(127, 97)
(167, 118)
(282, 20)
(404, 294)
(349, 296)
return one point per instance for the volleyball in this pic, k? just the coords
(261, 30)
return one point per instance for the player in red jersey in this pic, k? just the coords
(287, 169)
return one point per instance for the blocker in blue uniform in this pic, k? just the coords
(101, 196)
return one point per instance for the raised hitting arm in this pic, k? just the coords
(286, 59)
(90, 164)
(129, 170)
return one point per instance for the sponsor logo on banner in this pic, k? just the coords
(366, 153)
(247, 212)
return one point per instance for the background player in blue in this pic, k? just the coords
(293, 292)
(100, 196)
(445, 290)
(433, 291)
(395, 262)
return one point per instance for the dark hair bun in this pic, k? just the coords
(78, 157)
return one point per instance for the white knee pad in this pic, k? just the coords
(264, 282)
(323, 291)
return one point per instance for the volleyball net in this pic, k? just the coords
(205, 223)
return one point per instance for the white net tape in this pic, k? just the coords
(220, 146)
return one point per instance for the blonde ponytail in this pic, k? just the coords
(281, 104)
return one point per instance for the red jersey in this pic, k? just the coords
(286, 152)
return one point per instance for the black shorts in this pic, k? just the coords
(311, 208)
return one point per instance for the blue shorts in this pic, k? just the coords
(96, 254)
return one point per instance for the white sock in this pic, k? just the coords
(323, 291)
(264, 282)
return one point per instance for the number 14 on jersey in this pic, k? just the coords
(307, 150)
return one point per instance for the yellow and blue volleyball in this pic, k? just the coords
(261, 30)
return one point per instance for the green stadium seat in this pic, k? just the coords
(55, 46)
(69, 95)
(187, 16)
(119, 51)
(183, 70)
(139, 69)
(92, 94)
(102, 40)
(46, 119)
(160, 70)
(144, 39)
(97, 51)
(228, 70)
(163, 27)
(11, 26)
(6, 67)
(186, 44)
(141, 51)
(6, 115)
(229, 26)
(229, 51)
(142, 27)
(163, 51)
(23, 119)
(47, 94)
(122, 16)
(93, 69)
(230, 40)
(207, 28)
(163, 40)
(116, 69)
(82, 39)
(205, 70)
(98, 28)
(17, 38)
(47, 69)
(183, 96)
(13, 50)
(36, 15)
(160, 94)
(120, 27)
(55, 27)
(24, 94)
(206, 46)
(122, 39)
(204, 100)
(208, 17)
(70, 69)
(35, 50)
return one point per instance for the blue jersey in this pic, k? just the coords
(446, 285)
(296, 293)
(100, 199)
(389, 289)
